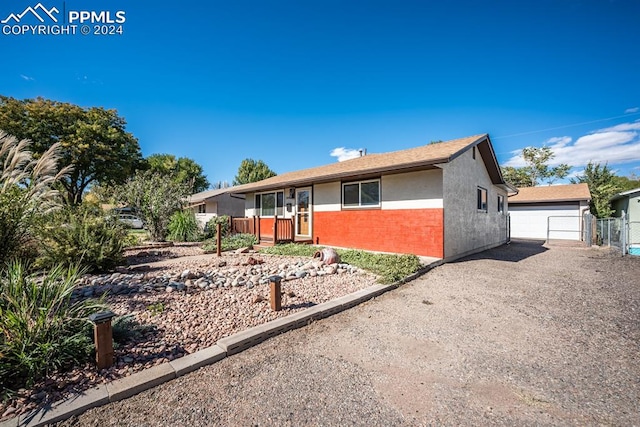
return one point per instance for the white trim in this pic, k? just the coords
(333, 207)
(413, 204)
(309, 212)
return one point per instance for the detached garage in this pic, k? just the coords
(554, 211)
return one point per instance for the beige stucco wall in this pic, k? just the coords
(327, 197)
(468, 230)
(412, 190)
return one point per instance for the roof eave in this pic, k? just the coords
(431, 164)
(581, 199)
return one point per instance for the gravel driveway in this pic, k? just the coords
(519, 335)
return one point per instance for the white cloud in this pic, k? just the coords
(27, 78)
(559, 140)
(632, 110)
(613, 145)
(344, 153)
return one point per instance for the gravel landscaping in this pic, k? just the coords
(188, 301)
(519, 335)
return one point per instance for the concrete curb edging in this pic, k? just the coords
(140, 381)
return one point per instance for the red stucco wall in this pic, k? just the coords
(416, 231)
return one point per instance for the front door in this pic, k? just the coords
(303, 212)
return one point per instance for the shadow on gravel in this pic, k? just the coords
(515, 251)
(292, 307)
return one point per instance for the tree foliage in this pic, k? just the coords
(603, 184)
(93, 140)
(182, 170)
(516, 176)
(627, 183)
(537, 168)
(252, 171)
(155, 198)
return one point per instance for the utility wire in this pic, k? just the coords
(566, 126)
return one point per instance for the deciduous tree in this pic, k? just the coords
(252, 171)
(537, 168)
(155, 198)
(94, 140)
(183, 170)
(602, 186)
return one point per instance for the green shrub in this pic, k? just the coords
(82, 234)
(389, 267)
(155, 197)
(225, 227)
(291, 249)
(126, 328)
(233, 242)
(26, 192)
(156, 308)
(41, 330)
(184, 227)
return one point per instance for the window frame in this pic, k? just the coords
(278, 208)
(501, 204)
(359, 184)
(482, 203)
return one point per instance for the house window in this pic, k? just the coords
(500, 204)
(361, 194)
(270, 204)
(482, 199)
(202, 209)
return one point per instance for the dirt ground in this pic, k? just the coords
(519, 335)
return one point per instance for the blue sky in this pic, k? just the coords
(289, 82)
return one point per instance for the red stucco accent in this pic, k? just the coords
(415, 231)
(266, 227)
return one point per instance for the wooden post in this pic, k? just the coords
(103, 338)
(276, 294)
(218, 239)
(257, 228)
(292, 232)
(275, 229)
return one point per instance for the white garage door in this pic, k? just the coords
(530, 222)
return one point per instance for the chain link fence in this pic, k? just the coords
(611, 232)
(565, 227)
(619, 233)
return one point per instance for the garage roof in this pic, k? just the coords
(552, 193)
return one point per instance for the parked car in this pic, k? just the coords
(131, 220)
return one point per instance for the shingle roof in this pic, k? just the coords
(422, 156)
(551, 193)
(204, 195)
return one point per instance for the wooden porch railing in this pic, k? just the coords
(283, 230)
(243, 226)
